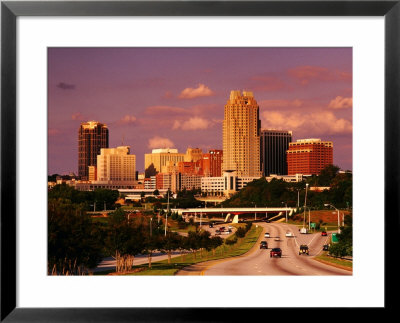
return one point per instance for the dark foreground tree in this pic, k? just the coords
(74, 243)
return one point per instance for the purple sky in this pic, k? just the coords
(160, 97)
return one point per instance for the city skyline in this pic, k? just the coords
(175, 97)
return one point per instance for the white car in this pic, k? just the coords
(266, 235)
(289, 234)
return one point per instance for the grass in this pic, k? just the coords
(163, 268)
(347, 264)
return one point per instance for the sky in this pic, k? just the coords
(175, 97)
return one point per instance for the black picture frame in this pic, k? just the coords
(11, 10)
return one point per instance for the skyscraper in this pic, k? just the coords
(273, 145)
(92, 136)
(241, 135)
(309, 156)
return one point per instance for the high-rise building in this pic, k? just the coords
(161, 157)
(116, 165)
(92, 136)
(273, 147)
(211, 163)
(241, 135)
(309, 156)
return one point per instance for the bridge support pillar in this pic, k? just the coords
(236, 219)
(227, 217)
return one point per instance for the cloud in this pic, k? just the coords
(164, 110)
(275, 104)
(159, 142)
(201, 90)
(78, 116)
(128, 119)
(194, 123)
(65, 86)
(168, 95)
(306, 74)
(341, 103)
(307, 124)
(267, 83)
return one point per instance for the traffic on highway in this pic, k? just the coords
(280, 250)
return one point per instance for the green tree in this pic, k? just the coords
(327, 174)
(74, 242)
(169, 243)
(124, 239)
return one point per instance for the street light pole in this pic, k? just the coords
(338, 216)
(285, 209)
(305, 204)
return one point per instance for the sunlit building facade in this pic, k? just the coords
(241, 135)
(309, 156)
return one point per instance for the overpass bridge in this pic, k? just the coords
(235, 212)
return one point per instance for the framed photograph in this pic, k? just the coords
(101, 97)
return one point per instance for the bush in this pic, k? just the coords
(241, 232)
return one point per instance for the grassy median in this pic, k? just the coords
(337, 262)
(225, 251)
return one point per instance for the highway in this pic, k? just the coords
(258, 262)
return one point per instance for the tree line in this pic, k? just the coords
(77, 243)
(260, 192)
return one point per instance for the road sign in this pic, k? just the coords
(334, 238)
(312, 225)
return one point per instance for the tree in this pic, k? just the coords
(150, 171)
(215, 242)
(74, 242)
(124, 239)
(169, 243)
(327, 174)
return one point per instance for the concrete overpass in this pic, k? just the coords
(235, 211)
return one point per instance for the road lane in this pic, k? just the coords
(258, 262)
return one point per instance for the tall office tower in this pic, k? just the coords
(309, 156)
(161, 157)
(92, 136)
(241, 135)
(116, 165)
(211, 163)
(193, 154)
(273, 147)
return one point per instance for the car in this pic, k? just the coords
(230, 227)
(325, 247)
(217, 233)
(275, 252)
(277, 239)
(324, 234)
(303, 249)
(289, 234)
(263, 245)
(268, 221)
(211, 225)
(222, 229)
(266, 235)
